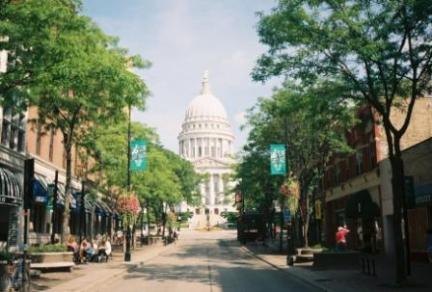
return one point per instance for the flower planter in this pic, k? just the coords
(337, 260)
(51, 257)
(6, 270)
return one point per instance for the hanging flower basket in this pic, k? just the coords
(290, 189)
(129, 207)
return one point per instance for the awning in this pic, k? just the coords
(40, 190)
(360, 205)
(76, 204)
(60, 194)
(102, 208)
(10, 191)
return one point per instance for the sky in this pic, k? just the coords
(182, 39)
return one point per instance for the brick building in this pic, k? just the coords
(357, 189)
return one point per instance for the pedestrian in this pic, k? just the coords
(341, 234)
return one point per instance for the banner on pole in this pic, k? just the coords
(277, 159)
(138, 155)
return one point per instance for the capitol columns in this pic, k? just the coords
(212, 190)
(221, 189)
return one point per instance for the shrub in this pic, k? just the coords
(58, 247)
(5, 255)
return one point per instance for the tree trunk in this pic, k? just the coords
(398, 195)
(148, 217)
(68, 151)
(306, 222)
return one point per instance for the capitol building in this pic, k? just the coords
(206, 140)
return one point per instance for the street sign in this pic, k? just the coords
(277, 159)
(138, 155)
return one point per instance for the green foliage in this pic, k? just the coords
(6, 256)
(380, 52)
(168, 177)
(58, 247)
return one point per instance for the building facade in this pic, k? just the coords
(206, 139)
(357, 186)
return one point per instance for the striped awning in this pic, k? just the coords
(10, 191)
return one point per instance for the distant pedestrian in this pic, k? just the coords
(341, 234)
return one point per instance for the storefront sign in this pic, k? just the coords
(9, 200)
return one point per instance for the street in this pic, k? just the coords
(205, 261)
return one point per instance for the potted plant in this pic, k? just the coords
(6, 269)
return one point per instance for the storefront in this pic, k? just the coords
(420, 220)
(10, 204)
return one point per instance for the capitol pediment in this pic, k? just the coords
(210, 162)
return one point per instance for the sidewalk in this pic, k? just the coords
(87, 277)
(346, 280)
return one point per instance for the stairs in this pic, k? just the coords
(200, 221)
(304, 255)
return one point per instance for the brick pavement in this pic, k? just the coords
(347, 280)
(89, 276)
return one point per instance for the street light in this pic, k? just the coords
(127, 255)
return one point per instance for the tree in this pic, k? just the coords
(311, 121)
(167, 180)
(26, 32)
(382, 50)
(88, 83)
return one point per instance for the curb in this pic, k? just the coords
(295, 275)
(133, 265)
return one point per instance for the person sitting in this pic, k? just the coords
(72, 246)
(83, 251)
(91, 250)
(104, 250)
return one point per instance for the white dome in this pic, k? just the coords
(206, 105)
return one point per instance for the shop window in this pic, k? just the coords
(359, 162)
(58, 226)
(38, 218)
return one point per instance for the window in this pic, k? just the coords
(359, 162)
(51, 145)
(38, 138)
(38, 217)
(13, 129)
(337, 174)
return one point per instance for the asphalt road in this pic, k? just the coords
(205, 261)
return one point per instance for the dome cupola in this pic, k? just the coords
(205, 106)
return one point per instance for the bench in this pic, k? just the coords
(53, 266)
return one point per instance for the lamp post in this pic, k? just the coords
(127, 255)
(82, 223)
(54, 207)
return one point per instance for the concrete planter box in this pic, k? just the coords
(5, 271)
(337, 260)
(51, 257)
